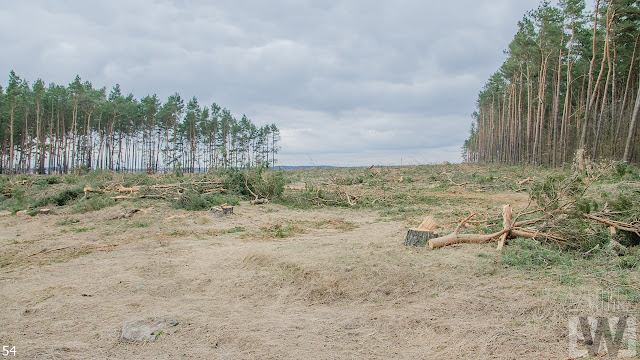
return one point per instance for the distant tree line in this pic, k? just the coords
(55, 128)
(571, 81)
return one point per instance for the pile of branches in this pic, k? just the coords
(566, 210)
(157, 191)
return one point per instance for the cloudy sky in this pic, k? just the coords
(352, 82)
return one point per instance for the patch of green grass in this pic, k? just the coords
(195, 202)
(140, 224)
(527, 254)
(282, 231)
(93, 203)
(338, 224)
(571, 278)
(60, 198)
(178, 233)
(82, 229)
(67, 222)
(630, 261)
(46, 180)
(632, 294)
(401, 212)
(237, 229)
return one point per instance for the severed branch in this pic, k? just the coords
(351, 200)
(506, 224)
(257, 200)
(615, 224)
(463, 222)
(455, 183)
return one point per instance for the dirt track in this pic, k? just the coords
(341, 286)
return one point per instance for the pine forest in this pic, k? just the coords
(571, 81)
(58, 129)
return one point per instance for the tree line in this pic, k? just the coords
(56, 129)
(571, 81)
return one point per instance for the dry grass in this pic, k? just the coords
(339, 285)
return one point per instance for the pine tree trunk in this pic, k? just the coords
(632, 127)
(583, 134)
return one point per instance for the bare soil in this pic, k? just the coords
(270, 282)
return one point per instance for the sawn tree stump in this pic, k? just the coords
(223, 210)
(419, 237)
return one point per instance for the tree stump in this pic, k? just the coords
(222, 210)
(419, 237)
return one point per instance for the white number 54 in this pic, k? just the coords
(6, 350)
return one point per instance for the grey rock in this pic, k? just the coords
(145, 329)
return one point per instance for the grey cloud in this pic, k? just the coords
(346, 81)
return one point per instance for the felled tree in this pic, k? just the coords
(566, 213)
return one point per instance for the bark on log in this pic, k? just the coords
(419, 237)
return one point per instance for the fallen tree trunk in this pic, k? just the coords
(455, 238)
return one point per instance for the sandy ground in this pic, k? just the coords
(342, 286)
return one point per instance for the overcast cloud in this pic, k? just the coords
(348, 82)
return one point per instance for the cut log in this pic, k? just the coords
(128, 190)
(455, 238)
(152, 196)
(222, 210)
(527, 180)
(419, 237)
(44, 211)
(219, 190)
(122, 197)
(89, 189)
